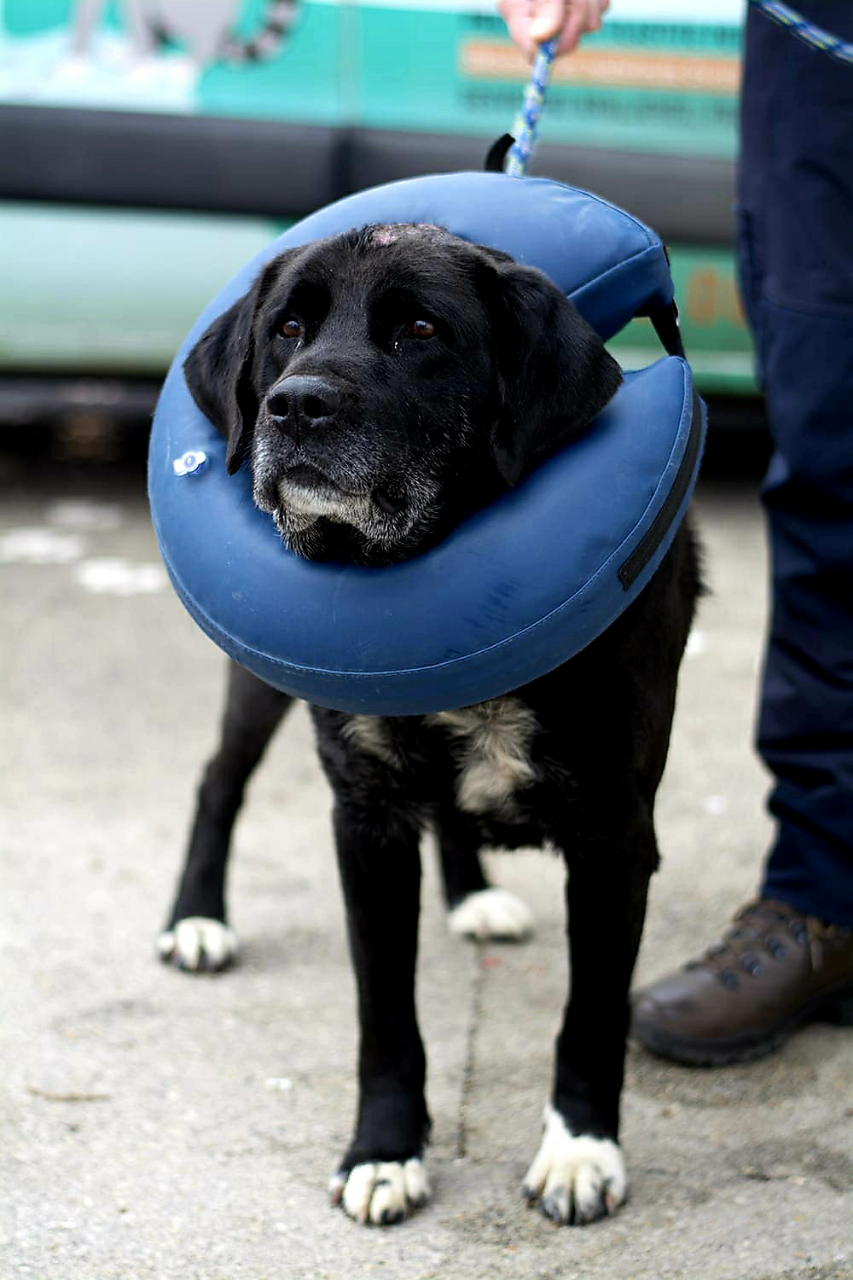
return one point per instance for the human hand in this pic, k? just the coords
(531, 22)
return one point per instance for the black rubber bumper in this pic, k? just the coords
(286, 170)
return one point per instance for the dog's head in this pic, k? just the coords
(384, 383)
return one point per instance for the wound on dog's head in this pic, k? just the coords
(384, 233)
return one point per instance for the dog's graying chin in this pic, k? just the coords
(356, 515)
(303, 517)
(385, 383)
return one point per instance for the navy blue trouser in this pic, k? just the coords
(796, 262)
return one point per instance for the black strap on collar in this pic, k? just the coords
(497, 154)
(665, 322)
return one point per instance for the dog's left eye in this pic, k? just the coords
(421, 329)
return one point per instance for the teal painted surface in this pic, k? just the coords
(435, 68)
(303, 80)
(416, 72)
(30, 17)
(715, 335)
(111, 291)
(116, 292)
(303, 83)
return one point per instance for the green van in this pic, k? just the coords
(149, 147)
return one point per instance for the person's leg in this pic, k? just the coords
(797, 202)
(791, 957)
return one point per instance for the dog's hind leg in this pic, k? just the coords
(197, 936)
(475, 909)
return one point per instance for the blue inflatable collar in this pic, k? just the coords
(520, 586)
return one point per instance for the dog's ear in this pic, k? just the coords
(218, 373)
(554, 372)
(218, 369)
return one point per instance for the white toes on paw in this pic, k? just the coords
(491, 913)
(381, 1193)
(198, 944)
(575, 1178)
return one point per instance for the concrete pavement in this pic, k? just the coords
(155, 1124)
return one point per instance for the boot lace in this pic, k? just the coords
(763, 932)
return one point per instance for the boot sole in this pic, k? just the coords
(835, 1006)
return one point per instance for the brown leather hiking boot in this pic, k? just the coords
(773, 971)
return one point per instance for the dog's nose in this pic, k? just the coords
(302, 402)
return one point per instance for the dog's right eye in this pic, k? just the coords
(290, 328)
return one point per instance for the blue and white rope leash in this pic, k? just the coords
(526, 127)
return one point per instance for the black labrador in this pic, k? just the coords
(381, 385)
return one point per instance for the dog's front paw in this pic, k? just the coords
(198, 944)
(491, 913)
(575, 1178)
(381, 1193)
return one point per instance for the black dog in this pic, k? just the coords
(381, 385)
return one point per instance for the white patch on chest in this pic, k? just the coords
(492, 744)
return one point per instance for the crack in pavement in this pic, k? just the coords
(469, 1068)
